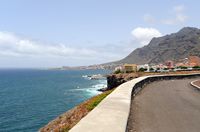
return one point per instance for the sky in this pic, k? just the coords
(55, 33)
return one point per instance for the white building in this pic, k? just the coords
(119, 68)
(145, 66)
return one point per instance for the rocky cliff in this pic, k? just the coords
(170, 47)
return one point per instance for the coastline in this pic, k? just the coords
(67, 120)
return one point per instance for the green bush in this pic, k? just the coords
(166, 69)
(151, 69)
(183, 67)
(142, 69)
(96, 100)
(117, 71)
(129, 71)
(196, 67)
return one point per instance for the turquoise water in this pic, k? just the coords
(29, 99)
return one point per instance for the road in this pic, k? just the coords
(166, 106)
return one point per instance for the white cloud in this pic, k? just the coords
(179, 17)
(144, 35)
(13, 46)
(17, 51)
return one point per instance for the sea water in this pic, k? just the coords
(31, 98)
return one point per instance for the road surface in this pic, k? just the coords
(166, 106)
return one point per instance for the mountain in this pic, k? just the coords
(170, 47)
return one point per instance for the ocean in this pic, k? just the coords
(30, 98)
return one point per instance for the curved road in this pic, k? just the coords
(166, 106)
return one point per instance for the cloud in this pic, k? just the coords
(13, 46)
(18, 51)
(179, 17)
(144, 35)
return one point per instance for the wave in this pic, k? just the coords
(92, 89)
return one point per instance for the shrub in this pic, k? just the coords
(166, 69)
(183, 67)
(97, 99)
(129, 71)
(117, 71)
(142, 69)
(151, 69)
(196, 67)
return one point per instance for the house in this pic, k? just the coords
(130, 68)
(159, 67)
(118, 68)
(169, 64)
(145, 66)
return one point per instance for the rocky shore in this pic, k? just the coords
(66, 121)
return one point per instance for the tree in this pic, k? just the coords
(196, 67)
(151, 69)
(142, 69)
(117, 71)
(166, 69)
(183, 67)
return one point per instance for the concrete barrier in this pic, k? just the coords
(111, 115)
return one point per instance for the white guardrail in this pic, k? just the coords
(111, 115)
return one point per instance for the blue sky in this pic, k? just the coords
(44, 33)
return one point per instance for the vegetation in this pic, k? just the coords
(142, 69)
(117, 71)
(166, 68)
(64, 129)
(196, 67)
(66, 121)
(130, 71)
(182, 67)
(96, 100)
(151, 69)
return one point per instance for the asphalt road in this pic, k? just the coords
(166, 106)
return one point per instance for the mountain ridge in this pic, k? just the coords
(173, 46)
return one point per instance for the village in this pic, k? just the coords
(186, 64)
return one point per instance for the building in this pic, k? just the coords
(169, 64)
(130, 68)
(145, 66)
(159, 67)
(194, 61)
(118, 68)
